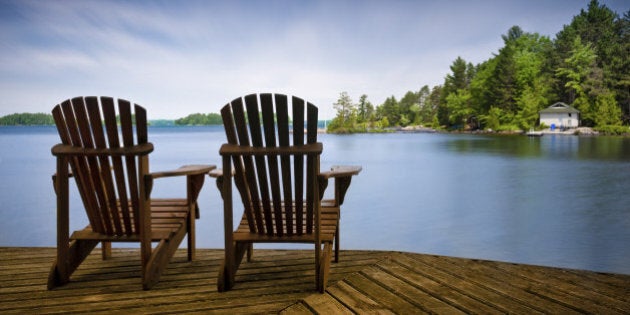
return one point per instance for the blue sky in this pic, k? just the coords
(182, 57)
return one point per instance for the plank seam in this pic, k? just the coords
(479, 299)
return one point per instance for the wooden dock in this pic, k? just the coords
(282, 281)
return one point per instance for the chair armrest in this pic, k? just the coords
(185, 170)
(343, 176)
(195, 175)
(342, 171)
(216, 173)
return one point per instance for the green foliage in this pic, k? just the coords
(577, 68)
(613, 130)
(365, 109)
(161, 123)
(586, 66)
(391, 110)
(346, 120)
(458, 104)
(200, 119)
(345, 108)
(492, 119)
(608, 112)
(27, 119)
(530, 102)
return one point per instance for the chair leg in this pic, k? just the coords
(74, 254)
(324, 268)
(337, 243)
(227, 272)
(191, 238)
(225, 280)
(156, 265)
(250, 252)
(106, 250)
(160, 257)
(239, 253)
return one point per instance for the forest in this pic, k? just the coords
(200, 119)
(27, 119)
(586, 66)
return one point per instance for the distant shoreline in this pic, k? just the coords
(580, 131)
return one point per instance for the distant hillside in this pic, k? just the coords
(200, 119)
(27, 119)
(42, 119)
(162, 123)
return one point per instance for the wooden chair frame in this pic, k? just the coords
(280, 183)
(115, 186)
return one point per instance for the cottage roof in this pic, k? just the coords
(559, 107)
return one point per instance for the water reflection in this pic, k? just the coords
(548, 146)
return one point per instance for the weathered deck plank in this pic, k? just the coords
(283, 281)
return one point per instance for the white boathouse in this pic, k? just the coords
(560, 115)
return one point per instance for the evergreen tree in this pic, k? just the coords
(346, 118)
(426, 108)
(457, 80)
(578, 66)
(409, 108)
(391, 110)
(459, 108)
(503, 88)
(608, 112)
(609, 37)
(480, 86)
(344, 107)
(434, 102)
(365, 109)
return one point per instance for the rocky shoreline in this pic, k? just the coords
(580, 131)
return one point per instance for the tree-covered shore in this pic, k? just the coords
(587, 66)
(27, 119)
(43, 119)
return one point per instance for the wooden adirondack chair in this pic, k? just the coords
(114, 183)
(280, 183)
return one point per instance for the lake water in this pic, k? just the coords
(555, 200)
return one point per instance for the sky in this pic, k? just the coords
(181, 57)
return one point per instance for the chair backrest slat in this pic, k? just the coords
(111, 126)
(266, 104)
(108, 185)
(93, 166)
(298, 140)
(253, 198)
(109, 203)
(311, 137)
(282, 113)
(261, 179)
(232, 138)
(70, 132)
(126, 126)
(274, 183)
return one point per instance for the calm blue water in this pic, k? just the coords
(555, 201)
